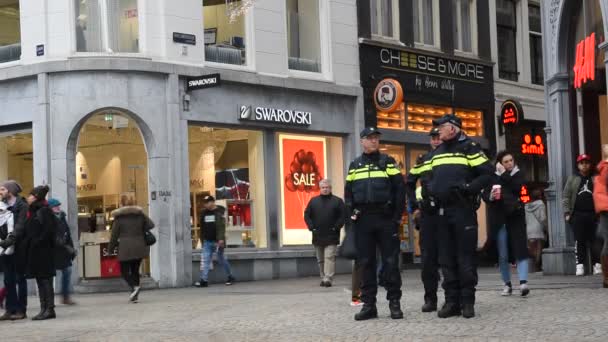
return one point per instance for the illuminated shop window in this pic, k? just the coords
(225, 40)
(10, 33)
(472, 122)
(228, 164)
(107, 26)
(420, 116)
(392, 120)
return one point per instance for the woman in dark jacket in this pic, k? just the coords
(64, 250)
(128, 229)
(507, 221)
(39, 240)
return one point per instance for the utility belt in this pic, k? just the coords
(374, 208)
(464, 202)
(428, 206)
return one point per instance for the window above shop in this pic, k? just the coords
(426, 22)
(10, 31)
(465, 25)
(506, 22)
(304, 35)
(109, 26)
(385, 18)
(419, 118)
(225, 39)
(536, 45)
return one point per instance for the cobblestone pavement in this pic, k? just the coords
(558, 309)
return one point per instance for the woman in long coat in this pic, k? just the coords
(507, 221)
(128, 230)
(39, 241)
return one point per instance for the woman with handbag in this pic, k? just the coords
(131, 234)
(508, 221)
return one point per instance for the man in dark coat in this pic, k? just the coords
(324, 216)
(39, 240)
(14, 275)
(64, 250)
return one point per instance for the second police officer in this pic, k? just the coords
(460, 170)
(426, 212)
(375, 198)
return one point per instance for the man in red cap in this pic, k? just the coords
(579, 212)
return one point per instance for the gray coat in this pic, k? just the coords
(536, 219)
(128, 233)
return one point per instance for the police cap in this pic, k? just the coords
(434, 132)
(448, 118)
(367, 131)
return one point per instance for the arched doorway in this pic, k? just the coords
(111, 165)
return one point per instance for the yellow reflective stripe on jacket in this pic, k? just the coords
(419, 193)
(450, 161)
(421, 168)
(391, 171)
(371, 174)
(350, 177)
(478, 160)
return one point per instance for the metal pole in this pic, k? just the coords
(580, 120)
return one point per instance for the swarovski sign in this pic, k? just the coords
(274, 115)
(202, 82)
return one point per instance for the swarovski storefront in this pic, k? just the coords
(577, 107)
(103, 138)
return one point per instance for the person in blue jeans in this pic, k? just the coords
(507, 221)
(213, 239)
(64, 251)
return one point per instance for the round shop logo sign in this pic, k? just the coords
(388, 95)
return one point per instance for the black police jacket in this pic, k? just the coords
(421, 171)
(374, 180)
(460, 171)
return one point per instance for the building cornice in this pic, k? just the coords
(130, 64)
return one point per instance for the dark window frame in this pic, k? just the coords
(509, 28)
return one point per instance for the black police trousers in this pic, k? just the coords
(429, 248)
(458, 254)
(371, 231)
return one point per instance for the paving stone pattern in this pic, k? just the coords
(558, 309)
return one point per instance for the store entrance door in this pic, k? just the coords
(111, 172)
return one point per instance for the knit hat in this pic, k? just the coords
(40, 192)
(53, 202)
(12, 186)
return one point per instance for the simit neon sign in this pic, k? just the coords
(537, 147)
(511, 113)
(584, 65)
(524, 196)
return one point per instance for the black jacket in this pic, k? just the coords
(421, 171)
(324, 216)
(460, 171)
(64, 246)
(371, 184)
(39, 241)
(508, 211)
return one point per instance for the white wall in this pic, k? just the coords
(52, 23)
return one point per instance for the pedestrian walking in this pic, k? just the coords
(600, 197)
(14, 264)
(426, 214)
(460, 171)
(213, 240)
(579, 211)
(128, 234)
(7, 227)
(536, 226)
(375, 198)
(507, 221)
(64, 251)
(39, 237)
(324, 216)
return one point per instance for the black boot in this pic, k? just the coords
(49, 292)
(449, 310)
(429, 306)
(368, 311)
(395, 308)
(42, 296)
(468, 310)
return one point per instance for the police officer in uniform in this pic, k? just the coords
(375, 196)
(460, 170)
(426, 212)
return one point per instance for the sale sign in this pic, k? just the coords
(303, 166)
